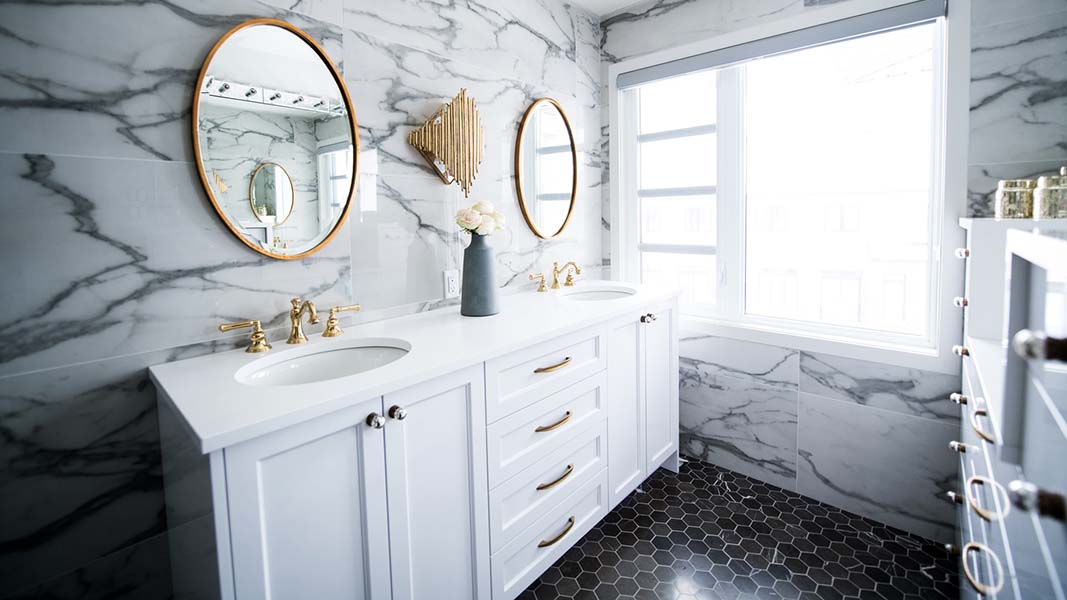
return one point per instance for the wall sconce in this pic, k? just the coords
(452, 141)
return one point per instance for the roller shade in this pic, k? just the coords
(904, 15)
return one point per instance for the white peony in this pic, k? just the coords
(469, 219)
(485, 207)
(488, 225)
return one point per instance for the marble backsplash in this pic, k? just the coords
(866, 437)
(119, 261)
(1018, 101)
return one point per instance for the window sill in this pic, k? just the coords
(927, 359)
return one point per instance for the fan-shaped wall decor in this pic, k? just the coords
(452, 141)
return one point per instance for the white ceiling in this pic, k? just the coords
(604, 7)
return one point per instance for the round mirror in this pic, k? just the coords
(546, 168)
(271, 193)
(272, 116)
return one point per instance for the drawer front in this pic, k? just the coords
(520, 501)
(524, 438)
(535, 549)
(522, 378)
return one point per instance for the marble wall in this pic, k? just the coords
(866, 437)
(1018, 103)
(114, 259)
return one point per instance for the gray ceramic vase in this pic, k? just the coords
(479, 284)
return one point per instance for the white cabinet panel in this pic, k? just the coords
(521, 378)
(307, 515)
(626, 411)
(437, 488)
(661, 388)
(523, 438)
(528, 496)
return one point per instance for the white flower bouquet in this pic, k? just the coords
(481, 219)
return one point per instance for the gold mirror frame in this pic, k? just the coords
(518, 167)
(252, 185)
(352, 126)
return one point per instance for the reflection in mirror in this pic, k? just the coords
(271, 194)
(273, 118)
(546, 164)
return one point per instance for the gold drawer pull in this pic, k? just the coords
(555, 367)
(988, 515)
(544, 428)
(981, 588)
(566, 530)
(552, 484)
(981, 412)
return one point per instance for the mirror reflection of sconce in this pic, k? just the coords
(452, 141)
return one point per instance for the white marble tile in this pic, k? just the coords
(906, 391)
(994, 12)
(118, 257)
(530, 41)
(1018, 71)
(115, 80)
(892, 468)
(714, 356)
(739, 425)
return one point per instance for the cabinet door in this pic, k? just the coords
(626, 411)
(660, 360)
(438, 488)
(308, 512)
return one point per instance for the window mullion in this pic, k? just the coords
(729, 197)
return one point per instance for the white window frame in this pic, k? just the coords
(945, 322)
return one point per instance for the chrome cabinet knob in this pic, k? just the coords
(1035, 345)
(375, 421)
(398, 413)
(960, 302)
(958, 398)
(961, 350)
(648, 318)
(1028, 497)
(954, 497)
(957, 447)
(962, 253)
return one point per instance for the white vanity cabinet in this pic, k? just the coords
(643, 390)
(463, 470)
(377, 497)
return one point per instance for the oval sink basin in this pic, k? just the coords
(357, 356)
(601, 292)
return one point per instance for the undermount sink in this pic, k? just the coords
(295, 367)
(600, 292)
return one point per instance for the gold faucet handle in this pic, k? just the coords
(541, 278)
(333, 325)
(257, 342)
(570, 275)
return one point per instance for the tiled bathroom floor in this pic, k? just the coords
(708, 533)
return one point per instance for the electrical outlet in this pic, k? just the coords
(451, 283)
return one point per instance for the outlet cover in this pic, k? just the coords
(451, 283)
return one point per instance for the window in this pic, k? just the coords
(797, 192)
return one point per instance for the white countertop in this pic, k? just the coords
(221, 412)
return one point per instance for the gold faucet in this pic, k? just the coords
(333, 325)
(296, 315)
(556, 272)
(540, 278)
(257, 342)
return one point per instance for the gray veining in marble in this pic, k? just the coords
(884, 465)
(739, 425)
(714, 356)
(907, 391)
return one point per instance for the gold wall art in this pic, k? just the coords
(453, 142)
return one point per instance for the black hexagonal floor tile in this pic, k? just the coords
(710, 533)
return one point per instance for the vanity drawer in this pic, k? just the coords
(521, 378)
(524, 438)
(528, 496)
(535, 549)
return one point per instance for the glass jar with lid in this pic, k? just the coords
(1050, 196)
